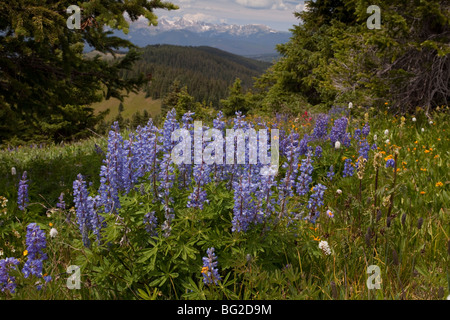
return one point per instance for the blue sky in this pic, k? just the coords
(277, 14)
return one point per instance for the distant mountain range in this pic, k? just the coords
(253, 40)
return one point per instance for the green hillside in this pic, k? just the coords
(207, 72)
(132, 104)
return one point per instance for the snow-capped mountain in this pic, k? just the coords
(246, 40)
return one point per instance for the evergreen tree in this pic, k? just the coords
(42, 66)
(333, 57)
(236, 100)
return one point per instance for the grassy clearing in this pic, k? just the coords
(133, 103)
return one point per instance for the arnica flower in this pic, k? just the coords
(36, 243)
(7, 282)
(209, 270)
(22, 197)
(439, 184)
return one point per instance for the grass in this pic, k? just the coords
(133, 103)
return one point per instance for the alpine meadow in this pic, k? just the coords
(186, 172)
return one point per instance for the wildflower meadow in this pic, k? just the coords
(355, 189)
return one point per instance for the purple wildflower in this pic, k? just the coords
(321, 128)
(61, 204)
(22, 197)
(7, 282)
(315, 201)
(348, 168)
(36, 243)
(150, 222)
(390, 163)
(210, 273)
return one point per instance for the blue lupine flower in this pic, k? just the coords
(209, 271)
(348, 168)
(357, 134)
(22, 197)
(291, 165)
(7, 282)
(364, 148)
(330, 173)
(201, 178)
(366, 130)
(150, 222)
(339, 132)
(305, 178)
(169, 126)
(315, 201)
(186, 168)
(390, 163)
(87, 209)
(318, 152)
(61, 204)
(111, 172)
(166, 177)
(303, 145)
(264, 196)
(321, 128)
(243, 211)
(36, 243)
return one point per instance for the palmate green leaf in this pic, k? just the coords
(147, 254)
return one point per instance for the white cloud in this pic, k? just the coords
(256, 4)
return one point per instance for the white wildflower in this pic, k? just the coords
(53, 232)
(387, 141)
(350, 105)
(323, 245)
(339, 191)
(375, 137)
(413, 119)
(386, 132)
(422, 129)
(337, 145)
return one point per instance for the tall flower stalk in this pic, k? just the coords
(22, 197)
